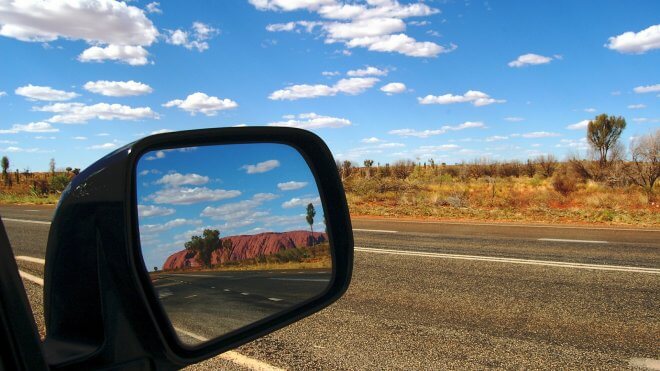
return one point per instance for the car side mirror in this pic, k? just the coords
(183, 245)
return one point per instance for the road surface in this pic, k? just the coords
(457, 296)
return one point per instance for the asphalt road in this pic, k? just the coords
(461, 296)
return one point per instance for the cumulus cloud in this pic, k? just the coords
(291, 186)
(530, 60)
(301, 202)
(636, 106)
(155, 228)
(109, 145)
(475, 97)
(376, 25)
(117, 88)
(539, 134)
(312, 121)
(245, 210)
(145, 211)
(371, 140)
(350, 86)
(79, 113)
(393, 88)
(13, 149)
(496, 138)
(202, 103)
(2, 93)
(647, 89)
(636, 42)
(156, 156)
(195, 38)
(177, 180)
(188, 196)
(44, 93)
(442, 130)
(261, 167)
(129, 54)
(153, 7)
(33, 127)
(367, 71)
(514, 119)
(581, 125)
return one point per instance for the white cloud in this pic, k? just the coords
(590, 110)
(195, 38)
(496, 138)
(367, 71)
(158, 155)
(377, 25)
(33, 127)
(108, 145)
(529, 59)
(99, 21)
(145, 211)
(350, 86)
(153, 7)
(539, 134)
(371, 140)
(638, 43)
(79, 113)
(581, 125)
(261, 167)
(45, 93)
(177, 180)
(330, 73)
(301, 202)
(155, 228)
(636, 106)
(3, 93)
(117, 88)
(188, 196)
(80, 138)
(290, 186)
(475, 97)
(200, 102)
(646, 120)
(312, 121)
(13, 149)
(244, 211)
(129, 54)
(442, 130)
(514, 119)
(393, 88)
(161, 131)
(647, 89)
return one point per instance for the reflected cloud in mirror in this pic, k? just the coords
(230, 235)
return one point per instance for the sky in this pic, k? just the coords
(385, 80)
(236, 189)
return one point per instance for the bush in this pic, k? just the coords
(564, 184)
(59, 182)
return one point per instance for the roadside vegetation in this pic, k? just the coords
(611, 185)
(26, 187)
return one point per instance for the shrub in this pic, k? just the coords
(59, 182)
(564, 184)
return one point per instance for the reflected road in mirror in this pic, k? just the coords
(230, 235)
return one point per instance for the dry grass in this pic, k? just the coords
(522, 199)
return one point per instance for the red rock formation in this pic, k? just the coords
(248, 247)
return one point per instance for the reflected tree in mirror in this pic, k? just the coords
(230, 233)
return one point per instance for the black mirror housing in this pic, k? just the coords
(100, 308)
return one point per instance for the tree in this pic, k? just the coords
(548, 164)
(603, 135)
(51, 166)
(311, 213)
(5, 165)
(227, 249)
(346, 167)
(204, 246)
(644, 169)
(368, 164)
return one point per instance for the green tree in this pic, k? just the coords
(603, 135)
(311, 213)
(204, 246)
(5, 165)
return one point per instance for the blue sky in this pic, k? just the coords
(378, 79)
(236, 189)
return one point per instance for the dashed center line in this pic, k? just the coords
(275, 299)
(566, 240)
(25, 221)
(190, 296)
(31, 259)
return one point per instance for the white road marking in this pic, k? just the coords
(566, 240)
(31, 259)
(374, 230)
(189, 297)
(548, 263)
(647, 363)
(164, 293)
(238, 358)
(245, 293)
(275, 299)
(25, 221)
(226, 290)
(29, 277)
(32, 210)
(301, 279)
(512, 225)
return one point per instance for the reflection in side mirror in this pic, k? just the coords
(231, 235)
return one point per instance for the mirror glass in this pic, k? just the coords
(230, 235)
